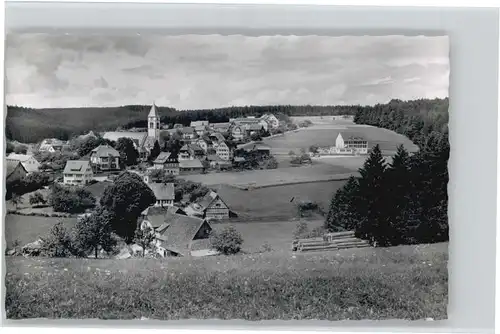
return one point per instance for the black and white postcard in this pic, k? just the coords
(193, 176)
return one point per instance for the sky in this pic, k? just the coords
(211, 71)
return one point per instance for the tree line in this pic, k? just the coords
(406, 201)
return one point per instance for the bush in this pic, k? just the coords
(58, 243)
(271, 163)
(37, 198)
(301, 230)
(69, 200)
(227, 242)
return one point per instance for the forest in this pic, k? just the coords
(29, 125)
(405, 202)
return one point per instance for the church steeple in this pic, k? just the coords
(154, 123)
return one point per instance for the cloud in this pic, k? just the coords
(209, 71)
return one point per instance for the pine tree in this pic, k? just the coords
(342, 214)
(398, 186)
(370, 201)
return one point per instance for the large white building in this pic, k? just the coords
(77, 172)
(354, 143)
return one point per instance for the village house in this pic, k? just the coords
(190, 152)
(213, 207)
(77, 172)
(155, 216)
(224, 152)
(217, 163)
(220, 127)
(238, 132)
(182, 235)
(200, 127)
(258, 148)
(164, 193)
(271, 120)
(193, 166)
(253, 129)
(168, 162)
(216, 139)
(251, 121)
(15, 171)
(51, 145)
(205, 144)
(188, 133)
(105, 158)
(28, 161)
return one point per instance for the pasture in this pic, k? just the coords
(323, 132)
(281, 176)
(404, 282)
(275, 202)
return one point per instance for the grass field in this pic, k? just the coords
(275, 201)
(324, 134)
(26, 229)
(408, 282)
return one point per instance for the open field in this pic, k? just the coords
(279, 234)
(28, 228)
(406, 282)
(280, 176)
(276, 202)
(324, 132)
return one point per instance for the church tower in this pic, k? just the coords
(154, 123)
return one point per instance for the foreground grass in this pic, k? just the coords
(407, 282)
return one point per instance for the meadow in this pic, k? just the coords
(325, 132)
(404, 282)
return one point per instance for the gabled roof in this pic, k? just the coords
(162, 158)
(20, 157)
(352, 136)
(163, 191)
(162, 210)
(254, 126)
(12, 165)
(196, 147)
(76, 166)
(105, 151)
(208, 199)
(153, 112)
(194, 163)
(179, 231)
(218, 136)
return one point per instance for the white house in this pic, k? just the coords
(28, 161)
(238, 132)
(51, 145)
(272, 120)
(164, 193)
(77, 172)
(105, 158)
(224, 152)
(354, 143)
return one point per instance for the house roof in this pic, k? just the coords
(12, 165)
(162, 158)
(254, 146)
(153, 112)
(219, 137)
(20, 157)
(156, 210)
(105, 151)
(206, 200)
(180, 232)
(352, 136)
(163, 191)
(199, 123)
(187, 129)
(196, 147)
(137, 137)
(254, 126)
(221, 125)
(76, 166)
(194, 163)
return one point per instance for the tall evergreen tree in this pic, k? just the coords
(370, 200)
(342, 214)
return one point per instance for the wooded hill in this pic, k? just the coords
(29, 125)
